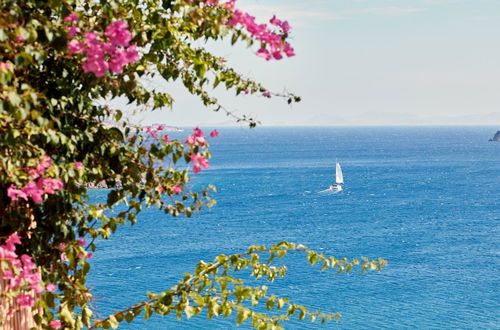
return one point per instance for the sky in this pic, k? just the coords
(364, 62)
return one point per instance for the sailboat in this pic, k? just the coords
(339, 178)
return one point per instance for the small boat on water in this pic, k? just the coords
(339, 179)
(496, 138)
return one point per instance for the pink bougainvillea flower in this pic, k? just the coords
(44, 164)
(285, 27)
(15, 193)
(117, 62)
(26, 279)
(36, 288)
(190, 140)
(6, 254)
(160, 128)
(73, 17)
(33, 191)
(288, 50)
(91, 38)
(201, 141)
(166, 138)
(55, 324)
(118, 33)
(199, 138)
(75, 46)
(78, 165)
(89, 255)
(132, 54)
(7, 274)
(12, 241)
(196, 138)
(25, 300)
(197, 132)
(277, 55)
(214, 133)
(275, 21)
(100, 56)
(27, 262)
(50, 185)
(230, 5)
(4, 66)
(96, 65)
(261, 32)
(19, 38)
(199, 162)
(33, 173)
(73, 30)
(82, 241)
(196, 168)
(264, 53)
(176, 189)
(266, 94)
(62, 246)
(198, 158)
(50, 287)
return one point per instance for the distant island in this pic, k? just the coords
(168, 128)
(119, 125)
(496, 138)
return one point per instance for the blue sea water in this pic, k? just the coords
(424, 198)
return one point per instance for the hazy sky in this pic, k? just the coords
(367, 62)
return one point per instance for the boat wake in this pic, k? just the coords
(328, 192)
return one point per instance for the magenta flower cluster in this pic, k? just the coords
(100, 56)
(39, 186)
(153, 131)
(20, 272)
(5, 66)
(198, 139)
(198, 162)
(274, 43)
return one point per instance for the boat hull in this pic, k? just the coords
(335, 187)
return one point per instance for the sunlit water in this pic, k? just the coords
(425, 199)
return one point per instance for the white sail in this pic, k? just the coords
(339, 178)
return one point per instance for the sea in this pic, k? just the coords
(426, 199)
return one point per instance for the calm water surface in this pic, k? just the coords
(426, 199)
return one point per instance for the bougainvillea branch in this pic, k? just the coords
(198, 291)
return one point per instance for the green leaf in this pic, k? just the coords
(129, 317)
(270, 304)
(189, 310)
(113, 322)
(148, 311)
